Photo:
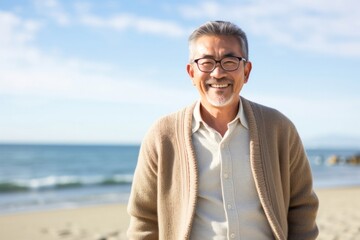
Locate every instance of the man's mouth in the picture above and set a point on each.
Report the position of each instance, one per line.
(219, 85)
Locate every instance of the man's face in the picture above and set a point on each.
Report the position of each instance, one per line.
(218, 88)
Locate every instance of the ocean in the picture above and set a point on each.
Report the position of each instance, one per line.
(42, 177)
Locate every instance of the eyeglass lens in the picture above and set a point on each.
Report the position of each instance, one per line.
(209, 64)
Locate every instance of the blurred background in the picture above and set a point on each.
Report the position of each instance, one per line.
(82, 81)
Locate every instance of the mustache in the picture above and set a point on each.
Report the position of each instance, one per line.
(218, 80)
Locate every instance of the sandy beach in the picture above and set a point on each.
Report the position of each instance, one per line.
(339, 214)
(338, 218)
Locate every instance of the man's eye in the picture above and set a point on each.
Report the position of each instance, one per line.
(206, 62)
(229, 63)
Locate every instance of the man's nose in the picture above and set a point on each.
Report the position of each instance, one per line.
(218, 71)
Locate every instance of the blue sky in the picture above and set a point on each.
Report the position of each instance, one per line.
(104, 71)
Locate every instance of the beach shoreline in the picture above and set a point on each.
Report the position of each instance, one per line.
(108, 221)
(338, 218)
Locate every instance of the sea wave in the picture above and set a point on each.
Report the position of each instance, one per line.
(62, 182)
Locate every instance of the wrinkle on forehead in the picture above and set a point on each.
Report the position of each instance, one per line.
(216, 47)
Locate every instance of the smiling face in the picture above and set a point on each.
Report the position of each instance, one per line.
(219, 88)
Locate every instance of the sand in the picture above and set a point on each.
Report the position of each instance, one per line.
(339, 214)
(108, 222)
(338, 218)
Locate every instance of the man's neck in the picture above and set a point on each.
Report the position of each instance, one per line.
(219, 117)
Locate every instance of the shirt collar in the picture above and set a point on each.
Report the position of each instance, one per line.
(197, 119)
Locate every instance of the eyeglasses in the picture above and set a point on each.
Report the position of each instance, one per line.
(227, 63)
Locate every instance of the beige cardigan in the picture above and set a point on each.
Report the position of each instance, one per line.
(164, 191)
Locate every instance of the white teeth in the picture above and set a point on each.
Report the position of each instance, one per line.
(219, 85)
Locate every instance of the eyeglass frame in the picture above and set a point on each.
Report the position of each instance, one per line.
(220, 62)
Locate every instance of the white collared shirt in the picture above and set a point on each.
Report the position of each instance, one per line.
(228, 206)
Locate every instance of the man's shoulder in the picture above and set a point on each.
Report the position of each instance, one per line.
(167, 124)
(260, 107)
(173, 117)
(266, 113)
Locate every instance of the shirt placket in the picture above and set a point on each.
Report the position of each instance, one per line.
(227, 184)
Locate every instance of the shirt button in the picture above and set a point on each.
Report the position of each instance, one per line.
(232, 235)
(229, 206)
(226, 175)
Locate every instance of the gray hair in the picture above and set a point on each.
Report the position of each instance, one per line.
(220, 28)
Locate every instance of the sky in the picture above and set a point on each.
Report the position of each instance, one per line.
(101, 72)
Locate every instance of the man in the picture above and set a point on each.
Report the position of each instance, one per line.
(224, 167)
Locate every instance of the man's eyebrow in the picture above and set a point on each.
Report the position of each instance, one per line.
(230, 55)
(212, 56)
(207, 56)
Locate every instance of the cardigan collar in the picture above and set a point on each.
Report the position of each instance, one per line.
(197, 119)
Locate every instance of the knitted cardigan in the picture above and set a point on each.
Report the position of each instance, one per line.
(164, 192)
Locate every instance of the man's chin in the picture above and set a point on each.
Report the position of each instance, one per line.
(219, 102)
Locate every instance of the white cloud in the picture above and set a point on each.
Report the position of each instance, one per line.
(122, 22)
(67, 83)
(26, 70)
(14, 30)
(54, 10)
(128, 21)
(324, 26)
(15, 42)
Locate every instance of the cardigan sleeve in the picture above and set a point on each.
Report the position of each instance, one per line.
(142, 206)
(304, 203)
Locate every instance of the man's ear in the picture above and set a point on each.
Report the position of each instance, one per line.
(190, 71)
(247, 70)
